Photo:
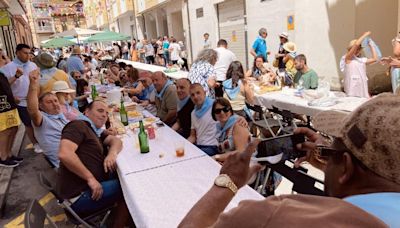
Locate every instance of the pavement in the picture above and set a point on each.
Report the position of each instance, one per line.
(24, 186)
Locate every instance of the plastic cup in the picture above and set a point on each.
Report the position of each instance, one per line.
(180, 148)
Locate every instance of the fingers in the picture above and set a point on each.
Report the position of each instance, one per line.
(254, 169)
(298, 161)
(306, 146)
(310, 134)
(251, 147)
(97, 193)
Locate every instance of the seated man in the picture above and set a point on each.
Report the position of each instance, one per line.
(47, 118)
(185, 107)
(166, 99)
(146, 93)
(362, 177)
(87, 172)
(305, 77)
(203, 128)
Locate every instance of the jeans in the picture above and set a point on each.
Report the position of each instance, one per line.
(112, 193)
(209, 150)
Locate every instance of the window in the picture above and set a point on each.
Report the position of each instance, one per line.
(199, 12)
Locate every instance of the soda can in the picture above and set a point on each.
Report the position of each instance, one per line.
(151, 133)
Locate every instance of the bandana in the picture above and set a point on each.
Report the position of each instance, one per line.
(161, 93)
(221, 131)
(182, 103)
(98, 131)
(207, 104)
(231, 91)
(59, 116)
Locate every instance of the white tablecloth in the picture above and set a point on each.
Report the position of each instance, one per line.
(286, 100)
(153, 68)
(159, 191)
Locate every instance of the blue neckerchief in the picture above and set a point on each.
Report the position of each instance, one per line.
(231, 91)
(59, 116)
(48, 71)
(20, 63)
(161, 93)
(144, 95)
(182, 103)
(207, 104)
(98, 131)
(221, 131)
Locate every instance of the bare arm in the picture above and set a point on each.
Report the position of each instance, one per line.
(115, 146)
(170, 116)
(176, 126)
(18, 74)
(374, 58)
(192, 137)
(249, 94)
(350, 54)
(252, 52)
(32, 99)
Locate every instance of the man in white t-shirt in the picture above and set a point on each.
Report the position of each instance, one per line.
(203, 130)
(174, 50)
(225, 58)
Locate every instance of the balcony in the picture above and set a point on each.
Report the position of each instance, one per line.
(45, 29)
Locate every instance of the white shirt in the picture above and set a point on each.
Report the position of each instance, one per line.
(225, 58)
(175, 49)
(206, 129)
(21, 85)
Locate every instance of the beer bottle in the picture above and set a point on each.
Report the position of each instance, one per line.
(94, 92)
(123, 114)
(143, 140)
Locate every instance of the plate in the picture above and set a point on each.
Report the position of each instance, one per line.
(146, 122)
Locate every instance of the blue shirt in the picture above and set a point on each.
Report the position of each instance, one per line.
(383, 205)
(74, 63)
(260, 47)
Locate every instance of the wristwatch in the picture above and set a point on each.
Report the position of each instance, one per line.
(223, 180)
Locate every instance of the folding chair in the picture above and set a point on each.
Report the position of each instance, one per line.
(36, 215)
(73, 217)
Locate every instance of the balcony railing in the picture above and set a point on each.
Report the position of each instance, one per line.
(45, 29)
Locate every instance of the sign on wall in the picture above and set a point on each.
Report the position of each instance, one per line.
(290, 22)
(4, 18)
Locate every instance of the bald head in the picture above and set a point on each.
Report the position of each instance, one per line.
(159, 80)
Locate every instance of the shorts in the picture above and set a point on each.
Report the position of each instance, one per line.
(24, 115)
(9, 119)
(85, 205)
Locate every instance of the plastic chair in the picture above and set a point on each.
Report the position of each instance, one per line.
(36, 215)
(73, 217)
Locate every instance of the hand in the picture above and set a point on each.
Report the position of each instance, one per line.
(242, 122)
(95, 186)
(236, 165)
(395, 63)
(313, 139)
(111, 131)
(19, 72)
(367, 34)
(110, 163)
(34, 76)
(386, 60)
(17, 100)
(135, 99)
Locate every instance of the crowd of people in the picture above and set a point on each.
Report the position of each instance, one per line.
(209, 109)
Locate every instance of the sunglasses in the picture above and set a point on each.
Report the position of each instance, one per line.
(224, 109)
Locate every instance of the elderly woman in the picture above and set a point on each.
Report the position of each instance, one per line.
(237, 89)
(261, 72)
(231, 135)
(354, 68)
(202, 71)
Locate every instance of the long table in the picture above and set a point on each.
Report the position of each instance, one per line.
(160, 188)
(153, 68)
(288, 101)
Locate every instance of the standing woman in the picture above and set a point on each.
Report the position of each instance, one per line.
(134, 52)
(236, 89)
(354, 68)
(283, 38)
(202, 71)
(9, 122)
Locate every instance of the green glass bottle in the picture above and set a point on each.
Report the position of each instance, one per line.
(94, 92)
(143, 140)
(123, 114)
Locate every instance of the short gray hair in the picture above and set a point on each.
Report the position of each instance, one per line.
(261, 31)
(207, 55)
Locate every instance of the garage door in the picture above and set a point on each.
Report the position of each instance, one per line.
(231, 27)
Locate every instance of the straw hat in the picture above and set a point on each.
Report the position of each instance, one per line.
(76, 51)
(61, 87)
(290, 47)
(284, 35)
(44, 61)
(351, 44)
(370, 133)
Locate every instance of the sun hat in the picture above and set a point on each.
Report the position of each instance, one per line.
(284, 35)
(76, 51)
(44, 61)
(61, 87)
(351, 44)
(290, 47)
(371, 133)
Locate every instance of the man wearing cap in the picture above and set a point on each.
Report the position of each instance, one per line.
(260, 45)
(49, 73)
(166, 99)
(283, 38)
(17, 73)
(362, 177)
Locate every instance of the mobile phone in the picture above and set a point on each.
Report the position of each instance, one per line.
(279, 149)
(160, 124)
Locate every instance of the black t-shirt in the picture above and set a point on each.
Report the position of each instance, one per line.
(7, 101)
(91, 153)
(184, 118)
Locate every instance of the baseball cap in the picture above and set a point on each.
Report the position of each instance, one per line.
(371, 133)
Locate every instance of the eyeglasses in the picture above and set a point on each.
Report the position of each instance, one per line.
(219, 110)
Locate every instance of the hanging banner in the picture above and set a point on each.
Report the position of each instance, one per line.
(4, 18)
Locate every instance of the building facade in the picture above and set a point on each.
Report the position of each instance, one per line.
(67, 15)
(40, 20)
